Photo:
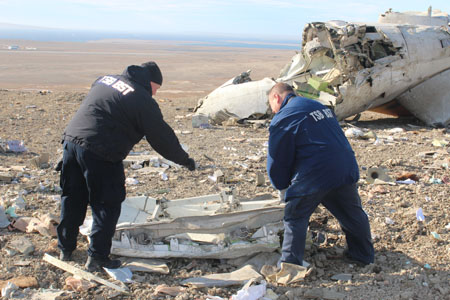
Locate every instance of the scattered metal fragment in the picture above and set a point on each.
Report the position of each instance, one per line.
(237, 277)
(213, 226)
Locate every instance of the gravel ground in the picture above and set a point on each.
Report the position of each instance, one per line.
(412, 256)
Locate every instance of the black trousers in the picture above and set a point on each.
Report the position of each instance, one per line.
(85, 180)
(344, 203)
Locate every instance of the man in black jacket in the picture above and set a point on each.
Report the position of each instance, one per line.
(116, 114)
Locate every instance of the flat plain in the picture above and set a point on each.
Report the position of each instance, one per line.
(43, 84)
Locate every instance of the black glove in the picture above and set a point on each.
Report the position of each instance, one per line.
(190, 165)
(58, 166)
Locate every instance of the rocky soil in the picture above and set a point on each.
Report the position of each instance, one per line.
(412, 256)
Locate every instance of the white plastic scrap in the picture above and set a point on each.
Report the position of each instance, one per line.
(154, 162)
(131, 181)
(229, 148)
(121, 274)
(85, 228)
(164, 176)
(389, 221)
(436, 235)
(19, 202)
(245, 166)
(9, 289)
(136, 166)
(42, 187)
(354, 133)
(253, 292)
(396, 130)
(212, 178)
(419, 215)
(255, 158)
(407, 181)
(16, 146)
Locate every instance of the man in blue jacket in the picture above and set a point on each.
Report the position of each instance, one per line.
(310, 157)
(116, 114)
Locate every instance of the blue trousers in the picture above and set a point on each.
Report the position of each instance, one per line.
(85, 180)
(344, 203)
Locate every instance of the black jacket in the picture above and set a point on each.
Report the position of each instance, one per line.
(117, 113)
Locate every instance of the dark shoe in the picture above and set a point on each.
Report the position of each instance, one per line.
(65, 255)
(97, 263)
(349, 259)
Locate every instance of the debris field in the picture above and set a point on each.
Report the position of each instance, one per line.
(404, 187)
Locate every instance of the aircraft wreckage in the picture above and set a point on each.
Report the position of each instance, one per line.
(217, 226)
(399, 65)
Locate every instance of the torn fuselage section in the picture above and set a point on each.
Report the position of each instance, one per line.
(214, 226)
(353, 67)
(238, 98)
(337, 56)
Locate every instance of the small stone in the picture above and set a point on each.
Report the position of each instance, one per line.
(290, 295)
(406, 295)
(435, 280)
(321, 257)
(259, 179)
(22, 245)
(322, 293)
(379, 277)
(183, 296)
(320, 272)
(333, 295)
(381, 258)
(200, 121)
(376, 269)
(443, 291)
(339, 251)
(298, 292)
(342, 277)
(10, 252)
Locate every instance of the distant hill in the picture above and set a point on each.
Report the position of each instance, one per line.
(20, 27)
(35, 33)
(26, 32)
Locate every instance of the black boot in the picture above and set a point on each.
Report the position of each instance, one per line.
(97, 263)
(65, 255)
(349, 259)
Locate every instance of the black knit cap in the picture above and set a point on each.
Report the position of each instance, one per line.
(155, 72)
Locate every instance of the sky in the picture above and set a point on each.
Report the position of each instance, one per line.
(239, 18)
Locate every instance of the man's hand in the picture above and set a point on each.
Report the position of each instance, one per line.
(190, 165)
(58, 166)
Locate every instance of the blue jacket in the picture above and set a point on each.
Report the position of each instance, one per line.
(308, 151)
